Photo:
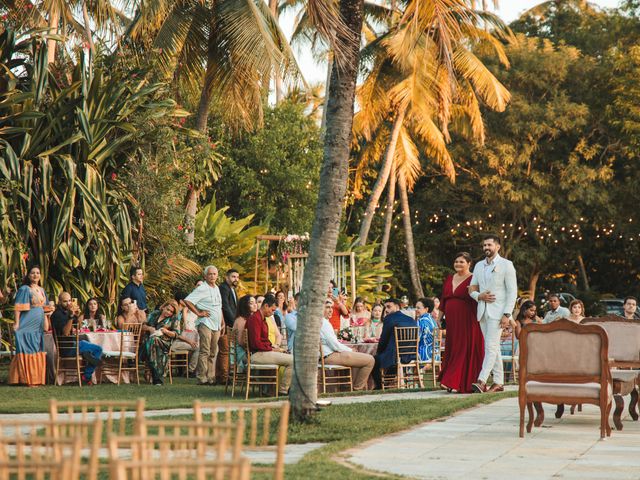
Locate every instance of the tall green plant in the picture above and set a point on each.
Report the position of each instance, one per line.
(62, 203)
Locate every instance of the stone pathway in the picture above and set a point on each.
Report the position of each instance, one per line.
(483, 443)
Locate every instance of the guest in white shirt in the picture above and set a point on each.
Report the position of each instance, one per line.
(205, 301)
(291, 321)
(335, 353)
(555, 310)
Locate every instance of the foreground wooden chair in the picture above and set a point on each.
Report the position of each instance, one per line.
(194, 429)
(624, 361)
(12, 432)
(178, 359)
(408, 373)
(563, 362)
(237, 365)
(40, 458)
(126, 359)
(113, 414)
(266, 426)
(336, 378)
(200, 469)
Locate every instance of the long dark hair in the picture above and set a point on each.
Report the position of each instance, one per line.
(526, 305)
(25, 279)
(87, 313)
(244, 310)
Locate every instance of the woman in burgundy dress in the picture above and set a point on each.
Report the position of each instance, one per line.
(464, 345)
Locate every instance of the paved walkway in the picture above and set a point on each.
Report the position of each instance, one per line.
(483, 443)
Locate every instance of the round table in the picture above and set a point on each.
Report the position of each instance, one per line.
(365, 347)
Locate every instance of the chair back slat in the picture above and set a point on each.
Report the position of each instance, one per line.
(407, 341)
(40, 457)
(265, 424)
(113, 414)
(194, 469)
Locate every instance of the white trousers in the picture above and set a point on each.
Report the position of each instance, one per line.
(492, 362)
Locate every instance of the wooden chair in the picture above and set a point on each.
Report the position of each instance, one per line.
(71, 362)
(40, 457)
(624, 361)
(237, 371)
(200, 469)
(512, 359)
(89, 432)
(336, 378)
(266, 374)
(407, 374)
(266, 426)
(113, 414)
(563, 362)
(435, 365)
(126, 359)
(178, 359)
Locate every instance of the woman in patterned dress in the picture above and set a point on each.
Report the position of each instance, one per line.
(29, 365)
(164, 327)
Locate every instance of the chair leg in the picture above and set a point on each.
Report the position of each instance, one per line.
(522, 405)
(539, 414)
(559, 410)
(632, 404)
(530, 413)
(616, 413)
(246, 397)
(606, 419)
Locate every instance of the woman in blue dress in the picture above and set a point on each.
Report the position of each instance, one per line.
(427, 325)
(29, 365)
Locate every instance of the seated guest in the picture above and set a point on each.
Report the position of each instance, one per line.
(630, 305)
(128, 312)
(163, 327)
(360, 316)
(376, 320)
(282, 308)
(275, 337)
(335, 353)
(556, 311)
(247, 306)
(576, 309)
(291, 321)
(187, 320)
(262, 351)
(526, 315)
(427, 325)
(62, 322)
(92, 318)
(386, 356)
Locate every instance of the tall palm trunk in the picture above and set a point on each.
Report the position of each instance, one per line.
(388, 216)
(533, 282)
(383, 177)
(191, 207)
(54, 20)
(408, 237)
(583, 272)
(388, 220)
(273, 6)
(329, 207)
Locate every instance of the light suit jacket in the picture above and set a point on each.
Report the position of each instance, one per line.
(501, 281)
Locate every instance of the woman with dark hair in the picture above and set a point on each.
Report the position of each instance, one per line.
(29, 365)
(526, 315)
(464, 354)
(92, 318)
(281, 311)
(247, 306)
(128, 312)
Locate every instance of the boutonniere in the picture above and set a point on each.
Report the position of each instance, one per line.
(495, 269)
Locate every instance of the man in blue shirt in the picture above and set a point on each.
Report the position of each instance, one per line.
(135, 290)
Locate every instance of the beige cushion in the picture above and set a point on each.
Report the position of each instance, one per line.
(625, 375)
(584, 390)
(624, 340)
(563, 353)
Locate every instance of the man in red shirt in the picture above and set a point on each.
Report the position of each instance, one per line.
(262, 352)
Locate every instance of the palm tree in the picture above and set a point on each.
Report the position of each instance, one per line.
(223, 52)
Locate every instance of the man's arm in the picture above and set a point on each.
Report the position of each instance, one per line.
(511, 286)
(227, 312)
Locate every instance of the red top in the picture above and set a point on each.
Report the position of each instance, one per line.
(336, 315)
(258, 333)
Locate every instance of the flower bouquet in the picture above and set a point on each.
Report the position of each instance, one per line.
(346, 335)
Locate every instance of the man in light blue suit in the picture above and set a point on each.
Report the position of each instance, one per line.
(495, 288)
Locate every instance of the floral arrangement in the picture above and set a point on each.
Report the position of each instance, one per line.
(293, 244)
(346, 335)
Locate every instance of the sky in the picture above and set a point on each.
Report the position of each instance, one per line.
(509, 10)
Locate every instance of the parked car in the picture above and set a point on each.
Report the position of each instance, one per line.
(613, 306)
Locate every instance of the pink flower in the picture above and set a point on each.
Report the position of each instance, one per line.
(134, 75)
(160, 51)
(25, 256)
(180, 227)
(141, 213)
(4, 17)
(114, 176)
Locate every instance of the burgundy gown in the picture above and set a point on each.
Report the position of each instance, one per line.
(464, 344)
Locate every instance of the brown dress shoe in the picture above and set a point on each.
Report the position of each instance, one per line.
(479, 387)
(496, 388)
